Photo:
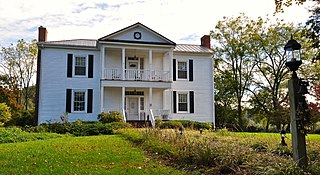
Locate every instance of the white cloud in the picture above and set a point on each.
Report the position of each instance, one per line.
(183, 21)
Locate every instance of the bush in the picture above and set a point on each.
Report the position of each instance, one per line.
(316, 128)
(203, 125)
(172, 124)
(195, 125)
(112, 116)
(119, 125)
(79, 128)
(5, 114)
(22, 118)
(187, 123)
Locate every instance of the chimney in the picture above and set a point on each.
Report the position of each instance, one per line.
(42, 34)
(205, 41)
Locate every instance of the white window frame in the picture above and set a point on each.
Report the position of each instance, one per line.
(85, 100)
(74, 65)
(177, 69)
(188, 102)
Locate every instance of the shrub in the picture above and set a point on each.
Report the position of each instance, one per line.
(119, 125)
(79, 128)
(22, 118)
(5, 114)
(317, 128)
(112, 116)
(187, 123)
(195, 125)
(172, 124)
(203, 125)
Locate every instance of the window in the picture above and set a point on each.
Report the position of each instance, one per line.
(80, 66)
(79, 100)
(182, 70)
(141, 103)
(182, 102)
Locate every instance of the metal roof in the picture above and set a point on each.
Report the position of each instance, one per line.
(192, 48)
(74, 42)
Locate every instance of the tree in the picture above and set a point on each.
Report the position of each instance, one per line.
(314, 105)
(224, 97)
(18, 63)
(271, 73)
(280, 3)
(232, 36)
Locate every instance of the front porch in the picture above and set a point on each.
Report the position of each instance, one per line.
(137, 104)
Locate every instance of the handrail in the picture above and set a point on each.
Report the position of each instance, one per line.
(152, 120)
(136, 74)
(124, 115)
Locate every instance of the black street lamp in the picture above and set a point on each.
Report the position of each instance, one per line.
(293, 54)
(293, 62)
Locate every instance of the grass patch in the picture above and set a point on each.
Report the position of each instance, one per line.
(225, 152)
(78, 155)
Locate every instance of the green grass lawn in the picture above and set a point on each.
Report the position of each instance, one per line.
(78, 155)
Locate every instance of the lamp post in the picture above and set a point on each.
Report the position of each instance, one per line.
(293, 62)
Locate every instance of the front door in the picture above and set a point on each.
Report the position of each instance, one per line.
(133, 108)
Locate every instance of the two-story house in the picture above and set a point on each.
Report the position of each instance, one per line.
(135, 71)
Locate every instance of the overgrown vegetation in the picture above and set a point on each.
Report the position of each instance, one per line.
(224, 152)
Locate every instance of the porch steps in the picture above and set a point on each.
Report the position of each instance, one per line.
(139, 123)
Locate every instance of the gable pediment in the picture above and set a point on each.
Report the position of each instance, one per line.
(137, 33)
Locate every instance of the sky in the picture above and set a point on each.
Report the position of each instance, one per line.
(182, 21)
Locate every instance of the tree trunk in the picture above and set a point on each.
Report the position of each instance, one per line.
(240, 116)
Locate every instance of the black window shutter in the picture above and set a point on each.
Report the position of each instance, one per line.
(68, 100)
(174, 69)
(90, 98)
(190, 70)
(90, 69)
(69, 66)
(174, 96)
(191, 102)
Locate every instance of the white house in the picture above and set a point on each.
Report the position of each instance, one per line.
(135, 71)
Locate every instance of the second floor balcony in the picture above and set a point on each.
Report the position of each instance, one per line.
(136, 74)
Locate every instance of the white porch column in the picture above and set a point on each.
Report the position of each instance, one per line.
(123, 62)
(170, 64)
(102, 52)
(150, 97)
(102, 99)
(123, 96)
(150, 63)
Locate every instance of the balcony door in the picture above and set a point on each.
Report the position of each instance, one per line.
(134, 66)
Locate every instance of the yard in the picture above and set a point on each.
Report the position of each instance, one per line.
(78, 155)
(153, 151)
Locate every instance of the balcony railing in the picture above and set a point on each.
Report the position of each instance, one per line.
(136, 74)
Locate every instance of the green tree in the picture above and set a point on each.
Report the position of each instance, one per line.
(271, 74)
(5, 114)
(280, 3)
(232, 37)
(225, 99)
(18, 63)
